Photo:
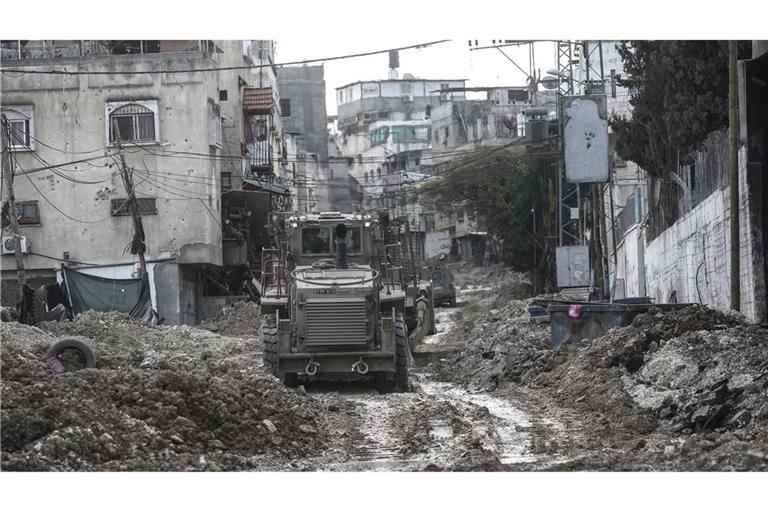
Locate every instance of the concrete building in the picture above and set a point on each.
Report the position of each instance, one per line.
(384, 129)
(202, 174)
(302, 107)
(406, 99)
(463, 126)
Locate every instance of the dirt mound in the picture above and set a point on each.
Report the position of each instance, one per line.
(160, 398)
(501, 343)
(694, 369)
(242, 319)
(506, 282)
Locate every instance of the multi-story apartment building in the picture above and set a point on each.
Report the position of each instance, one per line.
(459, 127)
(203, 145)
(385, 131)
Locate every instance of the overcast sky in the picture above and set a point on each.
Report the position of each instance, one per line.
(447, 60)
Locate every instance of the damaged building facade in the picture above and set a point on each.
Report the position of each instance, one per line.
(204, 148)
(304, 118)
(385, 134)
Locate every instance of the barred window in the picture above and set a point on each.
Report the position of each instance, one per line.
(136, 121)
(27, 213)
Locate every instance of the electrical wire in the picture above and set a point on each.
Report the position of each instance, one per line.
(61, 259)
(64, 150)
(188, 198)
(223, 68)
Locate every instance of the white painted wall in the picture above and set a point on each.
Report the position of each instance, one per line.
(692, 257)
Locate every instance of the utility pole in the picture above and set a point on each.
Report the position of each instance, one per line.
(733, 127)
(137, 244)
(8, 172)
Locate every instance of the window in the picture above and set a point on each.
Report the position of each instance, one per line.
(145, 205)
(21, 120)
(379, 136)
(226, 180)
(28, 213)
(214, 124)
(285, 107)
(315, 241)
(410, 134)
(136, 120)
(353, 240)
(405, 87)
(223, 95)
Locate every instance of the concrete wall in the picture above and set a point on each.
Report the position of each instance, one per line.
(690, 260)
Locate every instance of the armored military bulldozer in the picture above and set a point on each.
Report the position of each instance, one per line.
(340, 304)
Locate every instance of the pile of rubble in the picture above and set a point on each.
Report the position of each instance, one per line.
(497, 277)
(159, 398)
(241, 319)
(500, 341)
(695, 380)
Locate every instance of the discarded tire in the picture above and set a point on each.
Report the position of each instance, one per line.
(73, 353)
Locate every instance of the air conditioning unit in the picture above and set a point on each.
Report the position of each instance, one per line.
(407, 98)
(9, 245)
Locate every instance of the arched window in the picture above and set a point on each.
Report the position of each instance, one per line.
(378, 172)
(136, 123)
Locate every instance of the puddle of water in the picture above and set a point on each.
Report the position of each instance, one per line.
(476, 289)
(440, 429)
(446, 322)
(514, 446)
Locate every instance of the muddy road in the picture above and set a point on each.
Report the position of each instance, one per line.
(440, 425)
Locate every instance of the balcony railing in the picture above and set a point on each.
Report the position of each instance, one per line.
(55, 49)
(259, 157)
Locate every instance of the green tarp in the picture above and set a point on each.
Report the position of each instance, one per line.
(100, 293)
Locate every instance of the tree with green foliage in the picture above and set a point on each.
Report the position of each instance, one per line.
(681, 95)
(501, 186)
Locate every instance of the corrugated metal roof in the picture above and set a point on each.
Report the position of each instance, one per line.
(257, 99)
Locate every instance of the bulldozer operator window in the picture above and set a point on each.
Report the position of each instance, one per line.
(316, 241)
(353, 240)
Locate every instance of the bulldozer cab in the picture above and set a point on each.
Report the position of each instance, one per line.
(314, 238)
